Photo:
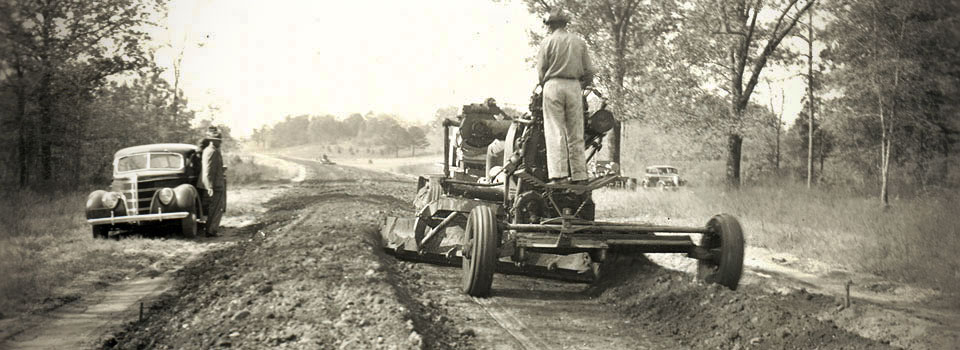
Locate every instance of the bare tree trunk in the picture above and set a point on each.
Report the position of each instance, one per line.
(734, 145)
(23, 128)
(810, 97)
(620, 22)
(45, 98)
(615, 137)
(779, 128)
(884, 156)
(45, 101)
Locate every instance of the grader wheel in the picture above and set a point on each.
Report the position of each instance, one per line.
(725, 242)
(479, 252)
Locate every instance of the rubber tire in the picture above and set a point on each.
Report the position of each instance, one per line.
(101, 231)
(188, 226)
(727, 236)
(478, 269)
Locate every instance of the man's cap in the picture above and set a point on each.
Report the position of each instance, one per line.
(491, 101)
(557, 16)
(213, 133)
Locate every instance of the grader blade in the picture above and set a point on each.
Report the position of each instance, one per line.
(398, 237)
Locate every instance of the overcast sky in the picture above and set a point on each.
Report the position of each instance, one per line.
(259, 61)
(262, 60)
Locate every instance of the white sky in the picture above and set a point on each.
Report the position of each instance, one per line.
(263, 60)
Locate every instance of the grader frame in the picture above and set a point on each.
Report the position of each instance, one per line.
(516, 222)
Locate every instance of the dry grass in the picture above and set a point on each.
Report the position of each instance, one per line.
(912, 241)
(249, 170)
(47, 252)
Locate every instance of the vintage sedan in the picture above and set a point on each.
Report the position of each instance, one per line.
(663, 177)
(152, 185)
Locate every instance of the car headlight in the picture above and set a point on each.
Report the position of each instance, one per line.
(165, 196)
(110, 199)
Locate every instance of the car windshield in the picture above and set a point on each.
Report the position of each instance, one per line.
(661, 171)
(164, 161)
(149, 161)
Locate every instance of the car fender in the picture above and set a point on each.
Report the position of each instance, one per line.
(95, 199)
(186, 197)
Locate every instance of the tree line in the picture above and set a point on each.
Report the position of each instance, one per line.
(78, 81)
(879, 79)
(382, 131)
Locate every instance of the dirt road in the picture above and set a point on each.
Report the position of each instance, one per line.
(314, 276)
(309, 273)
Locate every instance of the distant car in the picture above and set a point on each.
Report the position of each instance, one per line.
(605, 167)
(663, 177)
(152, 185)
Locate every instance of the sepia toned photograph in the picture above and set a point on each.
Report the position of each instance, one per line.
(480, 174)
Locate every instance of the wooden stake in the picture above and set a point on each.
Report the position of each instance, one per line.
(846, 301)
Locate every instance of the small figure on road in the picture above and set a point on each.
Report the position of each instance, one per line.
(213, 184)
(564, 68)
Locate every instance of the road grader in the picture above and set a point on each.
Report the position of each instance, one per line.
(510, 219)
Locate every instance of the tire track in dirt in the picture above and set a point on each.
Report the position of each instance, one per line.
(312, 277)
(324, 282)
(511, 324)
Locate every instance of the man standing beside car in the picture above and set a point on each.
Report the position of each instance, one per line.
(564, 67)
(213, 184)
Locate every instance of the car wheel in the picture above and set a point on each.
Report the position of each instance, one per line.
(725, 245)
(188, 226)
(479, 252)
(101, 231)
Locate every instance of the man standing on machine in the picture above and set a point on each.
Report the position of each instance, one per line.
(564, 68)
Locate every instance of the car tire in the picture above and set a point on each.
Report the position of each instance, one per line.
(480, 251)
(725, 243)
(188, 226)
(101, 231)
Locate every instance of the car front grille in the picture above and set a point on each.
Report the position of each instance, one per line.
(139, 190)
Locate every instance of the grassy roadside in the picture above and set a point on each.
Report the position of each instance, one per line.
(913, 241)
(48, 256)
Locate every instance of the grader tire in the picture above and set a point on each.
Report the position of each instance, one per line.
(480, 252)
(726, 244)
